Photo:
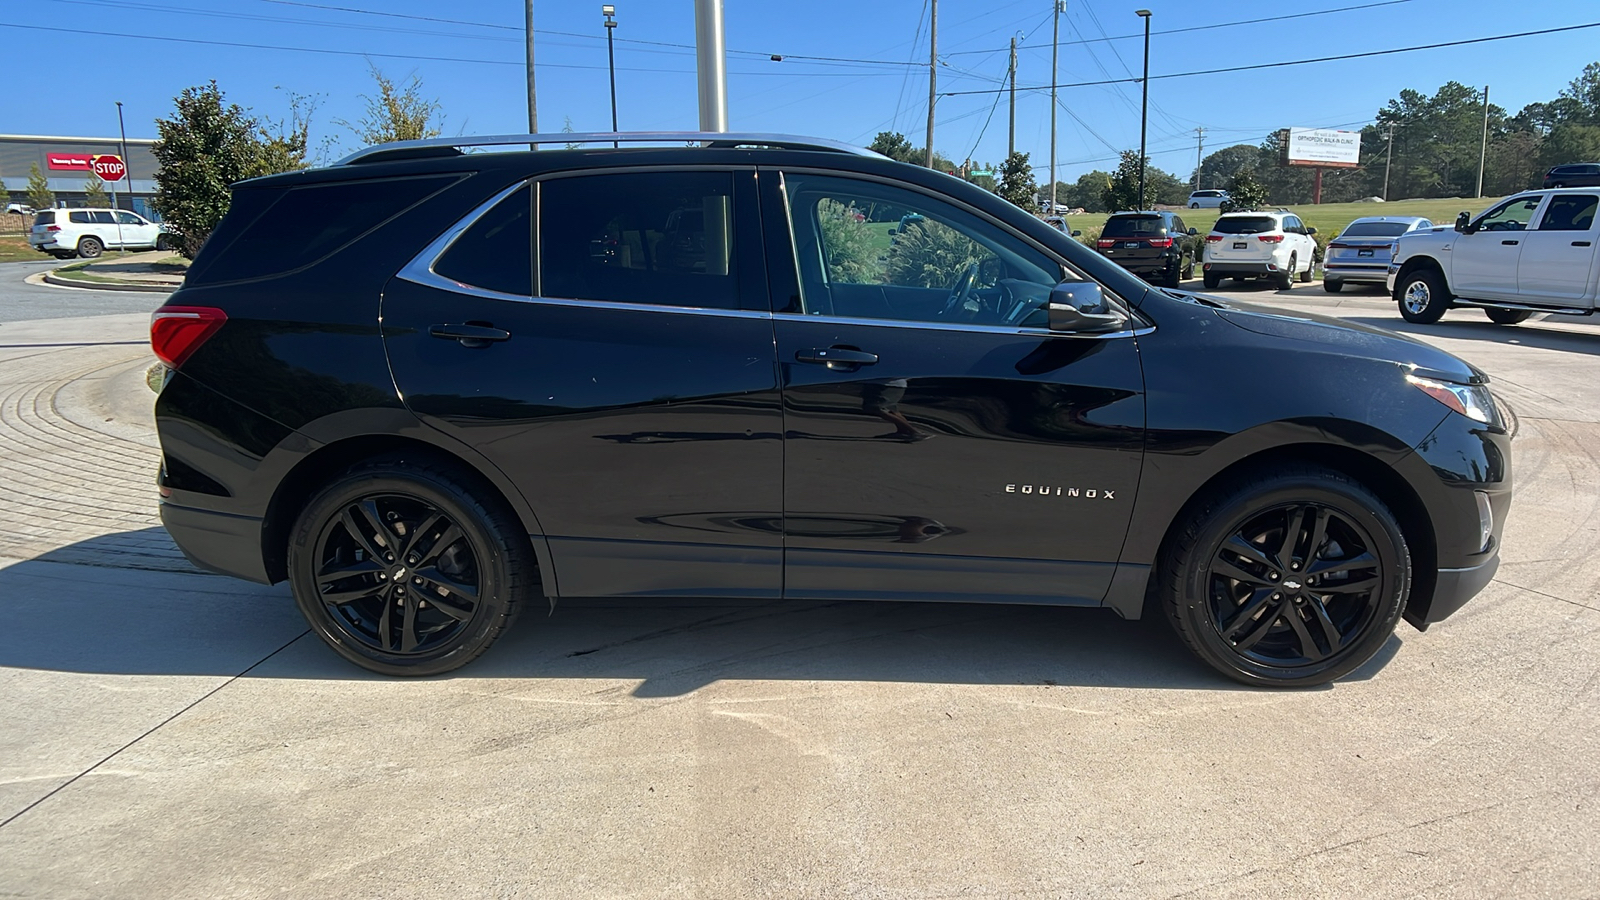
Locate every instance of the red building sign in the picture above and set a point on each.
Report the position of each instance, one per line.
(70, 162)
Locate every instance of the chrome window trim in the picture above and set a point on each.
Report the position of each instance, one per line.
(1142, 328)
(420, 269)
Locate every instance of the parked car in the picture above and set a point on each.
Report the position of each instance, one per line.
(1207, 199)
(1266, 244)
(1532, 252)
(65, 233)
(1060, 224)
(1573, 175)
(1154, 244)
(424, 431)
(19, 208)
(1362, 251)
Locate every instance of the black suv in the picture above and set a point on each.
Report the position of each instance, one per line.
(1153, 244)
(1573, 175)
(768, 368)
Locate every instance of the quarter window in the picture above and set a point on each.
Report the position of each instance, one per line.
(77, 217)
(1569, 212)
(662, 238)
(496, 251)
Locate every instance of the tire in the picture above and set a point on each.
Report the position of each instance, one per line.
(1423, 297)
(1285, 279)
(1228, 557)
(1194, 206)
(90, 247)
(1171, 276)
(1310, 272)
(484, 574)
(1331, 285)
(1211, 281)
(1507, 316)
(64, 256)
(1188, 269)
(162, 244)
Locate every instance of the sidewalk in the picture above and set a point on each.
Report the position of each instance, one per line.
(157, 271)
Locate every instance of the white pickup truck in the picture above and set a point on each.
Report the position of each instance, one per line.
(1533, 252)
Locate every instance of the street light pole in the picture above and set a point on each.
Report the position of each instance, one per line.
(533, 105)
(127, 164)
(610, 13)
(933, 71)
(1055, 56)
(1144, 103)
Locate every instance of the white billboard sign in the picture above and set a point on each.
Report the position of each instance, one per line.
(1321, 147)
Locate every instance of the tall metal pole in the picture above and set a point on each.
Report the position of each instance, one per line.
(533, 106)
(933, 71)
(609, 11)
(1011, 138)
(127, 164)
(1055, 55)
(1483, 148)
(1199, 154)
(1388, 157)
(711, 61)
(1144, 103)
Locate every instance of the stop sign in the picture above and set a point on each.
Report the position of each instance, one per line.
(109, 167)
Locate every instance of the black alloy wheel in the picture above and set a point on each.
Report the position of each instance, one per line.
(409, 569)
(89, 248)
(1507, 316)
(1423, 297)
(1172, 275)
(1293, 578)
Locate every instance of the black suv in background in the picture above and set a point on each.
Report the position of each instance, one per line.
(1573, 175)
(777, 368)
(1156, 245)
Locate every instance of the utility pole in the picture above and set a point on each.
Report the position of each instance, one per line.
(1199, 154)
(1144, 103)
(712, 64)
(533, 105)
(1483, 148)
(1011, 140)
(610, 12)
(1055, 56)
(1388, 157)
(933, 70)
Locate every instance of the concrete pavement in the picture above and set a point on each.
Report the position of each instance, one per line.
(174, 735)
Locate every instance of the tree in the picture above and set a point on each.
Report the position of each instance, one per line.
(1220, 166)
(203, 149)
(1122, 191)
(1569, 143)
(894, 145)
(1245, 193)
(397, 113)
(285, 143)
(926, 253)
(1579, 102)
(39, 194)
(5, 192)
(852, 254)
(1016, 181)
(95, 196)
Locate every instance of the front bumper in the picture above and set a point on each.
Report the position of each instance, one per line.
(1452, 590)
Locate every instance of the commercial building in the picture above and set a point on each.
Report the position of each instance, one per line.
(65, 163)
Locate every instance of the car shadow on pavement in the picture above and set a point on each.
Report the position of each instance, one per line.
(1546, 334)
(89, 619)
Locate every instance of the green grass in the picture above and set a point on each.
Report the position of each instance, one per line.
(14, 248)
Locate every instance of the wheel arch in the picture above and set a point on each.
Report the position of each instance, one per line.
(1412, 265)
(1373, 473)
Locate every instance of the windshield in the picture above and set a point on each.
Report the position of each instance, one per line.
(1245, 225)
(1133, 226)
(1376, 229)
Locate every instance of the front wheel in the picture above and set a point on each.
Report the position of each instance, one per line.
(1290, 578)
(1507, 316)
(162, 243)
(1423, 297)
(1310, 272)
(405, 567)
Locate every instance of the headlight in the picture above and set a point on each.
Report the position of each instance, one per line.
(1471, 400)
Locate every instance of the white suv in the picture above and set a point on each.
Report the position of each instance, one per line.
(65, 233)
(1207, 199)
(1274, 245)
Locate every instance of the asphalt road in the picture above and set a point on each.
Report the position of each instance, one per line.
(166, 734)
(21, 302)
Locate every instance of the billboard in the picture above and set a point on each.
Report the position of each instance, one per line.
(1321, 147)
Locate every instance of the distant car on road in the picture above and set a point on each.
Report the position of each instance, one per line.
(1361, 253)
(65, 233)
(19, 208)
(1573, 175)
(1207, 199)
(1060, 224)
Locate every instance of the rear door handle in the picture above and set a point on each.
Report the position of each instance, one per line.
(1509, 243)
(836, 357)
(470, 335)
(1580, 243)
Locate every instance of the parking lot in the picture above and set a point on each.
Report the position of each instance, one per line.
(173, 734)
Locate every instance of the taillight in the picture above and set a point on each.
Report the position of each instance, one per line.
(1105, 243)
(1213, 238)
(52, 228)
(1270, 238)
(1160, 242)
(176, 332)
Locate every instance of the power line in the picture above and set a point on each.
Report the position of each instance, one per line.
(1300, 62)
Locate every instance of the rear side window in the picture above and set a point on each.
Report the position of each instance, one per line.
(48, 217)
(103, 217)
(495, 252)
(1134, 226)
(1569, 212)
(309, 223)
(662, 238)
(78, 217)
(1245, 225)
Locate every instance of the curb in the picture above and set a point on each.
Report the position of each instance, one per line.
(58, 281)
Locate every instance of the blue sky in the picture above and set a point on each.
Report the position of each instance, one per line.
(101, 59)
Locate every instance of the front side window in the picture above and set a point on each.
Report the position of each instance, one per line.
(664, 238)
(1569, 212)
(873, 251)
(128, 218)
(495, 252)
(1512, 215)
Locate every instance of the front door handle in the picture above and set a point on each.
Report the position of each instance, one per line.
(470, 334)
(843, 358)
(1509, 243)
(1580, 243)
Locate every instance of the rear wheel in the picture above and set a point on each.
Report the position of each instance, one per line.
(1423, 297)
(1507, 316)
(1291, 578)
(1211, 281)
(1285, 279)
(405, 567)
(1172, 275)
(89, 248)
(1331, 285)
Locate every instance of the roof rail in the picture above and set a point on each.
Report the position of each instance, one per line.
(408, 149)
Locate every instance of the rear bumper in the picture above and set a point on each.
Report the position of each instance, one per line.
(1374, 274)
(217, 542)
(1241, 268)
(1147, 266)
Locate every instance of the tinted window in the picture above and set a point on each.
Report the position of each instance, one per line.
(48, 217)
(103, 217)
(306, 224)
(77, 217)
(663, 238)
(1134, 226)
(1292, 223)
(495, 252)
(1178, 226)
(1375, 229)
(1245, 225)
(1569, 212)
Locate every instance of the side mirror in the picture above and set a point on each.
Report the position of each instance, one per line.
(1080, 306)
(1193, 232)
(1077, 234)
(1464, 223)
(1310, 230)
